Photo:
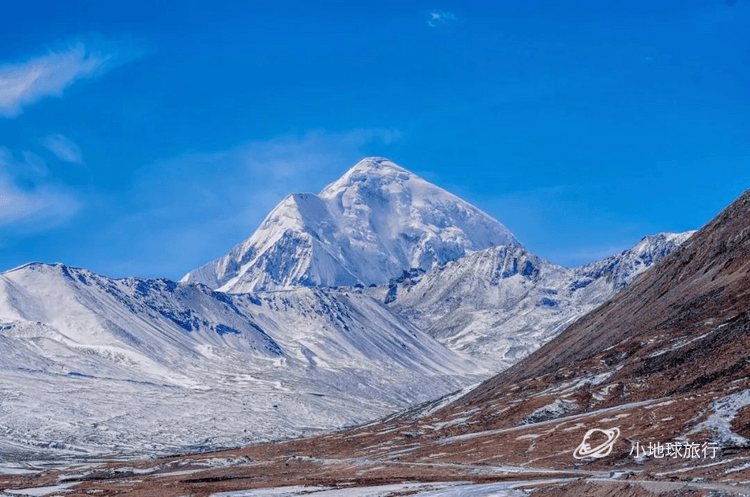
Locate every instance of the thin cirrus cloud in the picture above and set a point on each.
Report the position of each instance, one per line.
(439, 18)
(23, 84)
(63, 147)
(36, 204)
(44, 206)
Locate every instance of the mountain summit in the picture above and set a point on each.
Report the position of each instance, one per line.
(367, 227)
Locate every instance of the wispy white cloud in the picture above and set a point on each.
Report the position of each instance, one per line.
(23, 84)
(439, 18)
(63, 147)
(42, 205)
(31, 167)
(35, 203)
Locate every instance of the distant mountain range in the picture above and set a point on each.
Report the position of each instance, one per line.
(381, 292)
(648, 394)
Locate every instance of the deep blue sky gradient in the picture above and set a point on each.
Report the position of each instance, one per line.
(582, 126)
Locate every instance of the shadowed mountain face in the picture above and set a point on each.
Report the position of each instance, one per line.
(666, 362)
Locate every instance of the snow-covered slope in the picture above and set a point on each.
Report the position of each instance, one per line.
(92, 365)
(500, 304)
(365, 228)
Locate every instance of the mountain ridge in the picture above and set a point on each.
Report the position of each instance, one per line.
(109, 359)
(497, 305)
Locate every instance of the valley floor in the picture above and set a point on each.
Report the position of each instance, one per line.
(425, 456)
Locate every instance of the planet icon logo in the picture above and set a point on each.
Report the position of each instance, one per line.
(604, 440)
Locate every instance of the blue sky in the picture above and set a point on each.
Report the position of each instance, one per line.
(146, 138)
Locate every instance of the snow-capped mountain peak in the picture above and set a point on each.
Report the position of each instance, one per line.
(367, 227)
(377, 169)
